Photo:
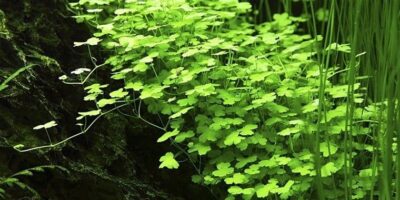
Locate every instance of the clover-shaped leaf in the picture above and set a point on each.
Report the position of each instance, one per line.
(328, 148)
(328, 169)
(168, 161)
(45, 126)
(88, 113)
(345, 48)
(244, 161)
(248, 129)
(168, 135)
(120, 93)
(181, 112)
(103, 102)
(237, 178)
(233, 138)
(223, 169)
(263, 191)
(183, 136)
(136, 86)
(202, 149)
(79, 71)
(91, 41)
(152, 91)
(235, 190)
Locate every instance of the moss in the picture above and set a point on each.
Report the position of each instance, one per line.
(106, 163)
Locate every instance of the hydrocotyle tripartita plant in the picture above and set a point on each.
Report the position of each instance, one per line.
(242, 102)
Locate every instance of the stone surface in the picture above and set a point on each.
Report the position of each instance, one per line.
(117, 159)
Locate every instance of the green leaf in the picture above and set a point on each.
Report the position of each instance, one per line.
(263, 191)
(95, 88)
(152, 91)
(243, 6)
(237, 178)
(328, 148)
(273, 120)
(233, 138)
(235, 190)
(247, 193)
(197, 179)
(220, 123)
(248, 129)
(244, 161)
(339, 47)
(253, 169)
(322, 14)
(288, 131)
(91, 97)
(190, 100)
(46, 125)
(80, 71)
(168, 135)
(328, 169)
(259, 76)
(122, 11)
(200, 148)
(209, 135)
(140, 67)
(203, 90)
(136, 86)
(227, 97)
(103, 102)
(340, 91)
(220, 53)
(88, 113)
(282, 160)
(269, 38)
(183, 136)
(168, 161)
(276, 108)
(285, 190)
(366, 172)
(311, 106)
(223, 169)
(304, 56)
(190, 52)
(304, 169)
(91, 41)
(181, 112)
(338, 112)
(282, 20)
(268, 163)
(120, 93)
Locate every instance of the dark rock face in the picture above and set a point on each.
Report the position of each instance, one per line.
(117, 159)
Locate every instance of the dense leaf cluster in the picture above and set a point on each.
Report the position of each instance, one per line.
(240, 101)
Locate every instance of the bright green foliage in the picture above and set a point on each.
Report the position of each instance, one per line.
(242, 96)
(88, 113)
(90, 41)
(169, 161)
(168, 135)
(46, 125)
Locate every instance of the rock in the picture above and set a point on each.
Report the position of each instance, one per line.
(114, 160)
